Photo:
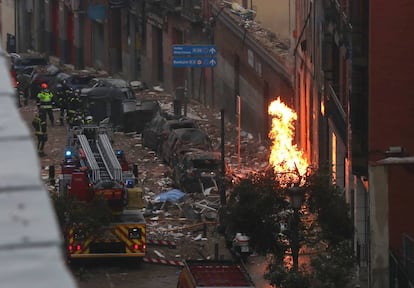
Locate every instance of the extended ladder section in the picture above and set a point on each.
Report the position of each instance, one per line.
(101, 159)
(109, 157)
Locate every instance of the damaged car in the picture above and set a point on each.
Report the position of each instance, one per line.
(183, 139)
(198, 170)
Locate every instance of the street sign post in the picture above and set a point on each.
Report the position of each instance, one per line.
(194, 55)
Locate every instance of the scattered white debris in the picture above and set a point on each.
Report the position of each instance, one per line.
(159, 254)
(158, 88)
(198, 237)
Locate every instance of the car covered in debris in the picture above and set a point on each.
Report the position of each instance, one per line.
(19, 62)
(67, 84)
(42, 74)
(157, 130)
(197, 170)
(105, 86)
(137, 113)
(170, 125)
(76, 81)
(183, 139)
(151, 132)
(23, 82)
(108, 98)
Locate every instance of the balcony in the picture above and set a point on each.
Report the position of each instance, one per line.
(192, 10)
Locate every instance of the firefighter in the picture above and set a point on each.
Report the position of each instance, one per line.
(89, 120)
(122, 160)
(76, 120)
(45, 102)
(62, 102)
(74, 107)
(40, 126)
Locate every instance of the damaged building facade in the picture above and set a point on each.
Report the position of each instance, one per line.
(312, 54)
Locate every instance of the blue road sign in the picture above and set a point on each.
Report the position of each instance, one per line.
(194, 50)
(194, 62)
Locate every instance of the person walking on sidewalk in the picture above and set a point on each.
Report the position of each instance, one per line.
(45, 102)
(40, 126)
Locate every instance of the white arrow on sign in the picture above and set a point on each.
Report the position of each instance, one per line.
(212, 50)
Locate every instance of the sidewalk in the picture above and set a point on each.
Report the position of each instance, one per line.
(255, 265)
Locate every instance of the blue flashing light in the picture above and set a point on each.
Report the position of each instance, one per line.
(68, 154)
(119, 152)
(129, 183)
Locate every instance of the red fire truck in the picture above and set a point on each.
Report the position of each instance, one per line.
(91, 169)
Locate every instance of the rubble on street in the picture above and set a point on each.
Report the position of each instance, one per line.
(178, 228)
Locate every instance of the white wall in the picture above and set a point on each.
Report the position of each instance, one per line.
(30, 239)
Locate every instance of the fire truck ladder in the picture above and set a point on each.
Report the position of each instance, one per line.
(101, 158)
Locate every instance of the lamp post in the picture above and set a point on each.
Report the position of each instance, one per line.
(295, 194)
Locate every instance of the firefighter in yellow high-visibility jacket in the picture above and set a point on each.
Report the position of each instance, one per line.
(45, 102)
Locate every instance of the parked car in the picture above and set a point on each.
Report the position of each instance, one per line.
(76, 81)
(23, 82)
(19, 62)
(170, 125)
(55, 84)
(183, 139)
(197, 170)
(151, 132)
(143, 112)
(109, 98)
(66, 84)
(104, 86)
(42, 74)
(157, 130)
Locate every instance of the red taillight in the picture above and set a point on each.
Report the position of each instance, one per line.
(70, 248)
(78, 247)
(136, 247)
(144, 247)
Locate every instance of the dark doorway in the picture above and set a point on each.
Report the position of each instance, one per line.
(157, 46)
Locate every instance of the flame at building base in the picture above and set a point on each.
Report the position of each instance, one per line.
(287, 160)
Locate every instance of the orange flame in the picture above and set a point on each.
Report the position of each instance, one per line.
(287, 161)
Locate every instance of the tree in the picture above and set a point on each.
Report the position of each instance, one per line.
(90, 215)
(328, 203)
(255, 206)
